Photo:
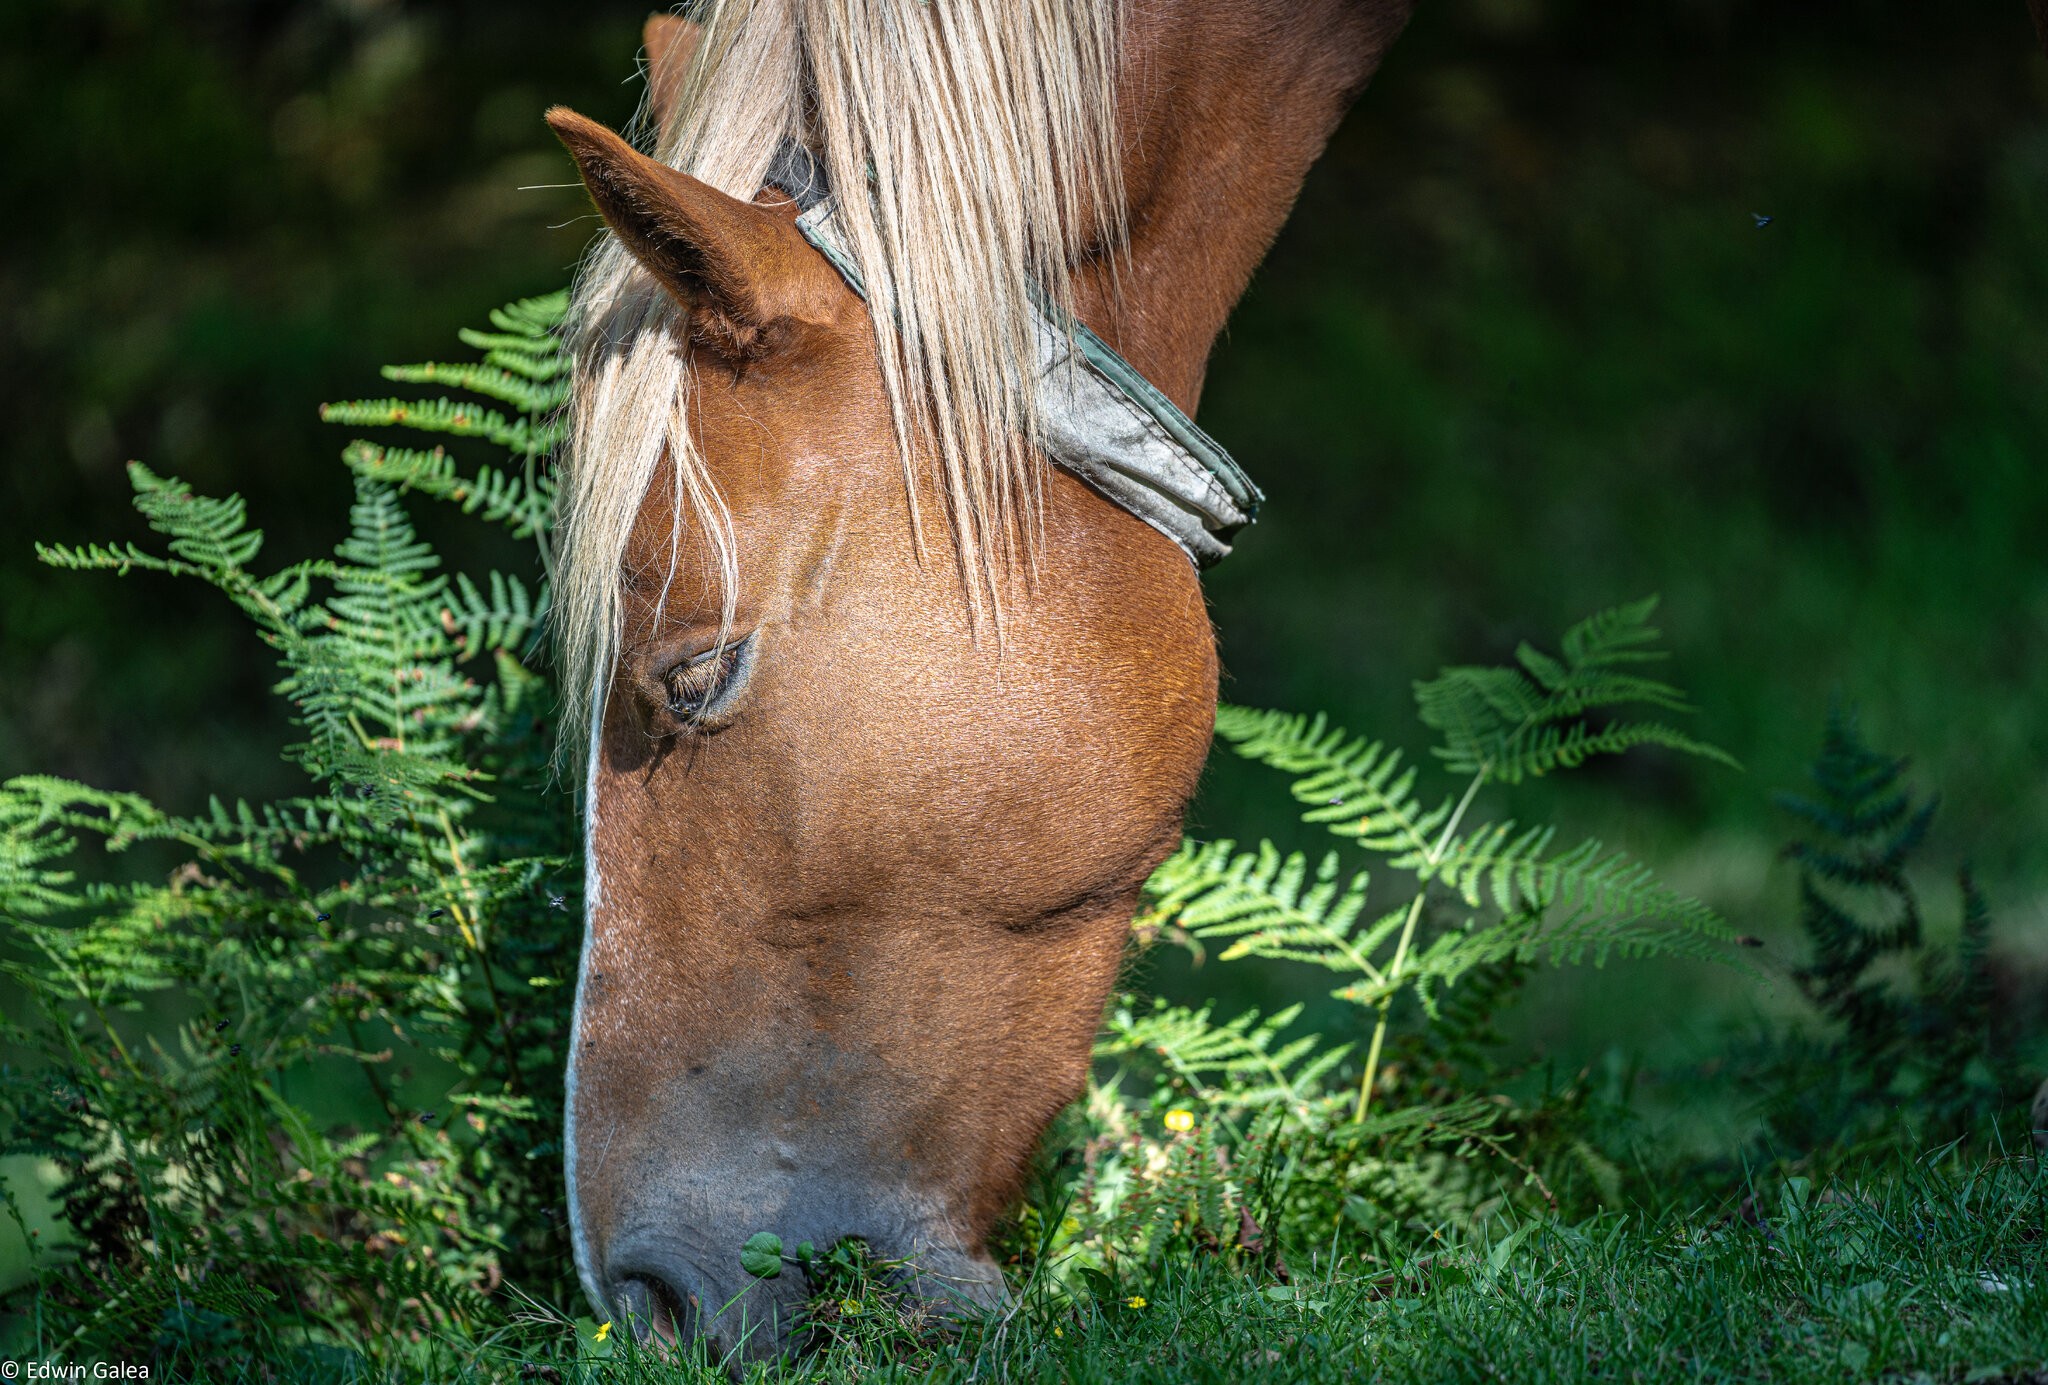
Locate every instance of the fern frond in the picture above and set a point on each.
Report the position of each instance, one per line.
(525, 366)
(206, 532)
(1509, 724)
(1239, 1064)
(521, 503)
(1357, 788)
(1268, 905)
(534, 319)
(1574, 939)
(504, 620)
(459, 419)
(1866, 820)
(531, 359)
(117, 558)
(516, 388)
(1510, 869)
(209, 536)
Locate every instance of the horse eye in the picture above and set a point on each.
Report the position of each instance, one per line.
(696, 684)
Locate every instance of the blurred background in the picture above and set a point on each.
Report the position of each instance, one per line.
(1741, 303)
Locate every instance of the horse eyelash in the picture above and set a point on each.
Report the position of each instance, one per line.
(695, 682)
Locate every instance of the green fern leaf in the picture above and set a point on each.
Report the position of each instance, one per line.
(1508, 724)
(454, 417)
(1357, 788)
(1267, 905)
(1238, 1064)
(519, 502)
(516, 388)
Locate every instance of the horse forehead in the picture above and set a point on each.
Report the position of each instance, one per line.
(797, 536)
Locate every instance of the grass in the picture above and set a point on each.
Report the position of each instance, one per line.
(1897, 1269)
(1915, 1271)
(1934, 1268)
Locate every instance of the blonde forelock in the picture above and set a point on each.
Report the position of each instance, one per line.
(984, 133)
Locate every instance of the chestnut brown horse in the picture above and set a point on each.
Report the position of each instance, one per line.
(880, 759)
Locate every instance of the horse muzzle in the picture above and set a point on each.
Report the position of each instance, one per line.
(668, 1189)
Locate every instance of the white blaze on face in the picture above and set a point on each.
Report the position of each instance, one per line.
(593, 898)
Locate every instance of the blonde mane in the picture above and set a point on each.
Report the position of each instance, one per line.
(984, 132)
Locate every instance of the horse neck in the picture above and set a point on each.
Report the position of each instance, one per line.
(1222, 108)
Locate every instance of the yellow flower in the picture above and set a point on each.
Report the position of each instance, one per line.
(1180, 1120)
(1059, 1332)
(850, 1307)
(604, 1330)
(1135, 1301)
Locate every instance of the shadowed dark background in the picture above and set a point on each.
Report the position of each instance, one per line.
(1527, 349)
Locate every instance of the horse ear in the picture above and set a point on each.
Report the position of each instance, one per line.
(669, 40)
(738, 268)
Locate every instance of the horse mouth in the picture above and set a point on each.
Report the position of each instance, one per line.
(932, 1296)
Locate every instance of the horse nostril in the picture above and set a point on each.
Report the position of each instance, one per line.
(633, 1300)
(654, 1309)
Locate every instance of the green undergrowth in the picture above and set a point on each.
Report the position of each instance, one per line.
(1906, 1271)
(1932, 1270)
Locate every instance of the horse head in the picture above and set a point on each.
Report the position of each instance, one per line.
(866, 823)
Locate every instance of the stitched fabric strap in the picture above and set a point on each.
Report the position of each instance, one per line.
(1103, 421)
